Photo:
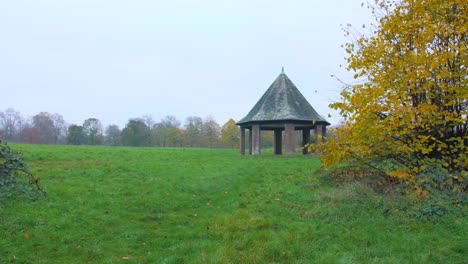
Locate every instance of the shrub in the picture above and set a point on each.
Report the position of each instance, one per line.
(407, 110)
(16, 180)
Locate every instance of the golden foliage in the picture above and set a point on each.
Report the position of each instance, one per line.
(230, 134)
(410, 106)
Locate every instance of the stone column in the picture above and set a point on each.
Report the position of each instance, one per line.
(250, 141)
(242, 141)
(321, 132)
(305, 140)
(255, 140)
(324, 132)
(289, 138)
(278, 142)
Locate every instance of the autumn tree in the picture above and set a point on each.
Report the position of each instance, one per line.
(408, 110)
(167, 133)
(267, 140)
(172, 131)
(44, 128)
(230, 134)
(211, 134)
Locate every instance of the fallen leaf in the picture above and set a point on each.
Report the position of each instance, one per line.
(26, 235)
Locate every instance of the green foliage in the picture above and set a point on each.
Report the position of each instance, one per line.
(76, 135)
(136, 133)
(92, 130)
(112, 135)
(442, 201)
(16, 180)
(440, 179)
(372, 178)
(167, 205)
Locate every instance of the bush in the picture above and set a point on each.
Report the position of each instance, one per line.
(427, 196)
(408, 109)
(373, 178)
(16, 180)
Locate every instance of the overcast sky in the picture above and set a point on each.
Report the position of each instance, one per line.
(115, 59)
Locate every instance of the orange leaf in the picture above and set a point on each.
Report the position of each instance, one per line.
(26, 235)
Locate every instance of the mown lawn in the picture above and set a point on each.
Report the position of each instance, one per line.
(153, 205)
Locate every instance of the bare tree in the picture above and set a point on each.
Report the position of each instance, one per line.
(11, 123)
(60, 129)
(43, 127)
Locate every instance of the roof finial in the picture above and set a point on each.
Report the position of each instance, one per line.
(282, 70)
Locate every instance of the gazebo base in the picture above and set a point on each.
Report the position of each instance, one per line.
(289, 138)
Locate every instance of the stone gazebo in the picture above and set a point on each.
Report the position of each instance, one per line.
(281, 108)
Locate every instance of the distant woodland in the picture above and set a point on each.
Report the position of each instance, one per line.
(47, 128)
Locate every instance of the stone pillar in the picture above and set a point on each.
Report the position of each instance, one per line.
(250, 141)
(242, 141)
(321, 132)
(278, 142)
(255, 140)
(305, 140)
(289, 139)
(324, 132)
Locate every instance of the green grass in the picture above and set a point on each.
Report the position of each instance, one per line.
(153, 205)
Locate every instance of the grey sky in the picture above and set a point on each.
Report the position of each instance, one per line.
(115, 59)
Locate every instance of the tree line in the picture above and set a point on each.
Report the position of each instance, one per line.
(47, 128)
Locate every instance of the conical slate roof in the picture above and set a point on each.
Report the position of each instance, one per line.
(282, 102)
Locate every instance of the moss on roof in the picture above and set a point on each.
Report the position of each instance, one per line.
(281, 102)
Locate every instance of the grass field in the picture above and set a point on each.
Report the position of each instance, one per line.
(152, 205)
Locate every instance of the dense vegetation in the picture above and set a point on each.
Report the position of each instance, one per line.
(164, 205)
(407, 115)
(16, 180)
